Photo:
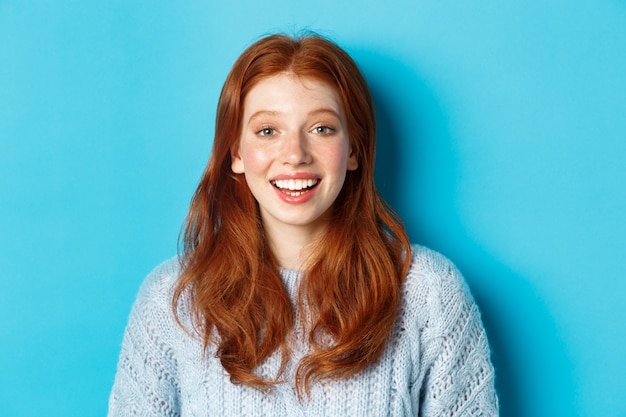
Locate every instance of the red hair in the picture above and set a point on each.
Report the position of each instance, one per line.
(353, 279)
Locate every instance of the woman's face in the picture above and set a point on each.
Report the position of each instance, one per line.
(293, 150)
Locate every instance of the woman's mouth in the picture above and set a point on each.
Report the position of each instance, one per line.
(295, 187)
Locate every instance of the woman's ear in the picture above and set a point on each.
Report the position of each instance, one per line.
(236, 163)
(353, 162)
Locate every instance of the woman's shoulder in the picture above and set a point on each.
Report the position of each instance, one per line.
(161, 280)
(433, 283)
(431, 267)
(442, 322)
(157, 289)
(153, 309)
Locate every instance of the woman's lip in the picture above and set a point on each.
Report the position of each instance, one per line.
(305, 194)
(303, 197)
(296, 176)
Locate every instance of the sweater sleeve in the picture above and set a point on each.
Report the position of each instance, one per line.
(146, 379)
(458, 377)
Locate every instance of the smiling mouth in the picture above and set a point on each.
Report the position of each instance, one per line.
(295, 187)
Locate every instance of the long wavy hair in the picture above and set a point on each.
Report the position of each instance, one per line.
(351, 285)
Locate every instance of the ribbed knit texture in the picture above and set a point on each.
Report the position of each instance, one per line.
(436, 363)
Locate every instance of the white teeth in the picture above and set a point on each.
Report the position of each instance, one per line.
(294, 185)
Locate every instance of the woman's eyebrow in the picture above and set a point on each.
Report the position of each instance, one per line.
(263, 113)
(315, 112)
(324, 110)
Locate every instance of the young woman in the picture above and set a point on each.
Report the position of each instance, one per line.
(297, 292)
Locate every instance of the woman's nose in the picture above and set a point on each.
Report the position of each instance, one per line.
(296, 149)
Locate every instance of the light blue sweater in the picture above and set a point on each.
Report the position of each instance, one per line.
(436, 363)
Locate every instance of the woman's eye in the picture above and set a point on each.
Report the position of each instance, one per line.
(323, 130)
(266, 131)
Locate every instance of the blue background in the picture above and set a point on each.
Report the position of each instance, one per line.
(502, 145)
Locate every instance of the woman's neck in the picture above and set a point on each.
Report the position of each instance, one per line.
(291, 245)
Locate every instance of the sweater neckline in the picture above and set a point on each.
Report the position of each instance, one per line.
(291, 280)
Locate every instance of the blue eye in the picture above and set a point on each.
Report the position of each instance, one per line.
(323, 130)
(266, 131)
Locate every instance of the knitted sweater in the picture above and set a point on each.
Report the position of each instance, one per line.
(436, 362)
